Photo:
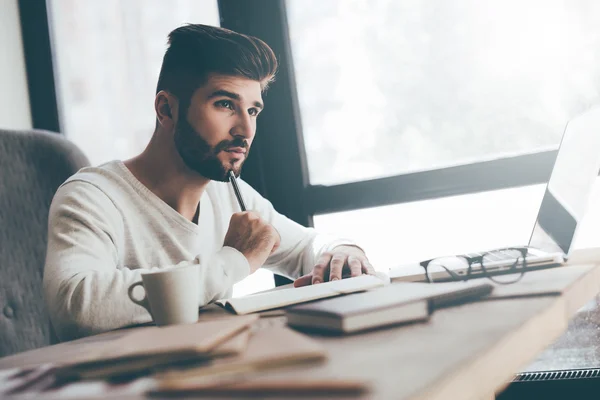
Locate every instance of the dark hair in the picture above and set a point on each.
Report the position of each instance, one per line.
(195, 51)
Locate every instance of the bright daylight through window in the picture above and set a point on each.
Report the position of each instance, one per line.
(391, 87)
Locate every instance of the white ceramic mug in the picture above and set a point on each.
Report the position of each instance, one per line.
(171, 295)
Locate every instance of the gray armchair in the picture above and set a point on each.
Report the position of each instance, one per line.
(33, 164)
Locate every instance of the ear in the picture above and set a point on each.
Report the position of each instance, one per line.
(165, 106)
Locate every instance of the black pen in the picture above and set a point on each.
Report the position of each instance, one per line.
(236, 189)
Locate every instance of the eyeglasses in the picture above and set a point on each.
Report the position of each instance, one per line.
(503, 266)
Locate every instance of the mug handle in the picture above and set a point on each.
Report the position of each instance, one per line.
(143, 302)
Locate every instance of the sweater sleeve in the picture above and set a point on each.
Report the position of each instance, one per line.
(300, 246)
(85, 285)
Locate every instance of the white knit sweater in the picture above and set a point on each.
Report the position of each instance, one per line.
(105, 227)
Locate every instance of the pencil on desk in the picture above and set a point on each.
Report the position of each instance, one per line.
(236, 189)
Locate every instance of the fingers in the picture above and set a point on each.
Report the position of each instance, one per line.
(249, 215)
(367, 268)
(252, 236)
(322, 266)
(336, 265)
(355, 266)
(303, 281)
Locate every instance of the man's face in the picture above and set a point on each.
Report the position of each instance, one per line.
(215, 135)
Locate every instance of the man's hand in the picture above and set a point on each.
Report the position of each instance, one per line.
(253, 237)
(342, 262)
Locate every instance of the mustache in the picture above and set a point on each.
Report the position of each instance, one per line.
(229, 144)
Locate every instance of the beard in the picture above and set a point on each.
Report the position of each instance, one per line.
(201, 157)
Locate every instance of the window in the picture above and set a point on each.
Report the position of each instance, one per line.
(107, 61)
(397, 105)
(392, 87)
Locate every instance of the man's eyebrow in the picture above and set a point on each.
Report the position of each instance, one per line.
(234, 96)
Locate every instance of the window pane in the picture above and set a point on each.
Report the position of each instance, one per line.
(388, 87)
(409, 232)
(108, 55)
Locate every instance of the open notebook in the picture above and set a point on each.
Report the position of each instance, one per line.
(285, 297)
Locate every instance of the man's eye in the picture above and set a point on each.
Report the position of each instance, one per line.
(225, 104)
(253, 112)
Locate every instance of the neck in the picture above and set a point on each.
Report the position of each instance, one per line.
(160, 168)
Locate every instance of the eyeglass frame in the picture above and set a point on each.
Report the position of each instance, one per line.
(479, 260)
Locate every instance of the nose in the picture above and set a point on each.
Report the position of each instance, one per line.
(245, 126)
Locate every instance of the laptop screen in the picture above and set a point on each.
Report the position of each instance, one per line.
(571, 182)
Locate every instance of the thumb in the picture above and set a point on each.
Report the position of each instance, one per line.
(275, 246)
(303, 281)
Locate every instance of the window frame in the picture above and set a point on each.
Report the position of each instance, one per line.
(39, 64)
(280, 172)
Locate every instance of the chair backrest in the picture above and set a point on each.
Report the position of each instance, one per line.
(33, 164)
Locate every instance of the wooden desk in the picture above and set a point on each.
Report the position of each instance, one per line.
(466, 352)
(578, 347)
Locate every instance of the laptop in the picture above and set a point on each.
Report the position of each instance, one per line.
(562, 208)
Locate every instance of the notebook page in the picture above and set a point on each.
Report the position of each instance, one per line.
(286, 297)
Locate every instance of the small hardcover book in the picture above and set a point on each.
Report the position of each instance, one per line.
(390, 305)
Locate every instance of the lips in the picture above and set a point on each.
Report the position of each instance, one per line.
(236, 150)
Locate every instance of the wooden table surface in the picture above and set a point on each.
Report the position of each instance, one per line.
(464, 352)
(578, 347)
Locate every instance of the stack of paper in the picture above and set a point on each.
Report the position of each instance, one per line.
(268, 349)
(147, 348)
